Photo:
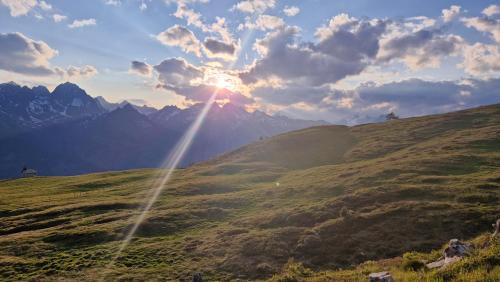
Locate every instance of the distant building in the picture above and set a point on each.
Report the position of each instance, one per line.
(28, 172)
(391, 116)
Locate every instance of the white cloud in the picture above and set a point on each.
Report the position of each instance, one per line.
(113, 2)
(19, 7)
(82, 23)
(492, 10)
(24, 55)
(81, 72)
(191, 17)
(45, 6)
(254, 6)
(482, 60)
(181, 37)
(417, 23)
(263, 22)
(484, 24)
(417, 48)
(334, 25)
(218, 27)
(291, 11)
(143, 6)
(450, 13)
(168, 2)
(58, 18)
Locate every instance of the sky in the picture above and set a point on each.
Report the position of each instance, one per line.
(342, 61)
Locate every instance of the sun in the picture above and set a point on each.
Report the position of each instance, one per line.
(222, 81)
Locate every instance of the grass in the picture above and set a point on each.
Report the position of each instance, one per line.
(337, 201)
(482, 265)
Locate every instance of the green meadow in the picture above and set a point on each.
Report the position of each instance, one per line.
(330, 203)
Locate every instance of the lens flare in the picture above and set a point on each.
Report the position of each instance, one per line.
(170, 164)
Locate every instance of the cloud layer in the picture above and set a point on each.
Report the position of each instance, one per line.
(19, 7)
(266, 55)
(23, 55)
(344, 46)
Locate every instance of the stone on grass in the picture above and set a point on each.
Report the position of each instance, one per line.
(497, 227)
(383, 276)
(455, 251)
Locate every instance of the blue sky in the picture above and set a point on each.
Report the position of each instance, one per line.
(409, 40)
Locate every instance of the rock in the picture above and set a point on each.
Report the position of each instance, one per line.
(453, 253)
(497, 227)
(456, 249)
(436, 264)
(384, 276)
(451, 260)
(197, 277)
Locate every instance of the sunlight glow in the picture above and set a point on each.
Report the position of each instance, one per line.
(221, 80)
(164, 176)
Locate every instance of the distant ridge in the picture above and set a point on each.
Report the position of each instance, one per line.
(77, 134)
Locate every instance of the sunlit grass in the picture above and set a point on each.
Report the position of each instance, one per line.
(402, 186)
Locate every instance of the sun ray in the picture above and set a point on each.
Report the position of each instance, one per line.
(173, 160)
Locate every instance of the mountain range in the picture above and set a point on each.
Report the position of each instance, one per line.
(66, 131)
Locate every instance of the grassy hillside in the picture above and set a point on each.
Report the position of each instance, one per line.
(327, 197)
(483, 265)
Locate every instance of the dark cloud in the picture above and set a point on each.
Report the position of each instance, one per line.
(418, 97)
(413, 95)
(184, 79)
(177, 72)
(344, 48)
(141, 68)
(370, 102)
(23, 55)
(354, 41)
(218, 47)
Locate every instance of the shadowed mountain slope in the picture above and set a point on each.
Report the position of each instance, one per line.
(68, 132)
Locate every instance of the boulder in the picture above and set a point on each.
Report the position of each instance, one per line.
(383, 276)
(456, 248)
(435, 264)
(497, 227)
(453, 253)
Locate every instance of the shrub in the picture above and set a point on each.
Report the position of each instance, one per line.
(411, 261)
